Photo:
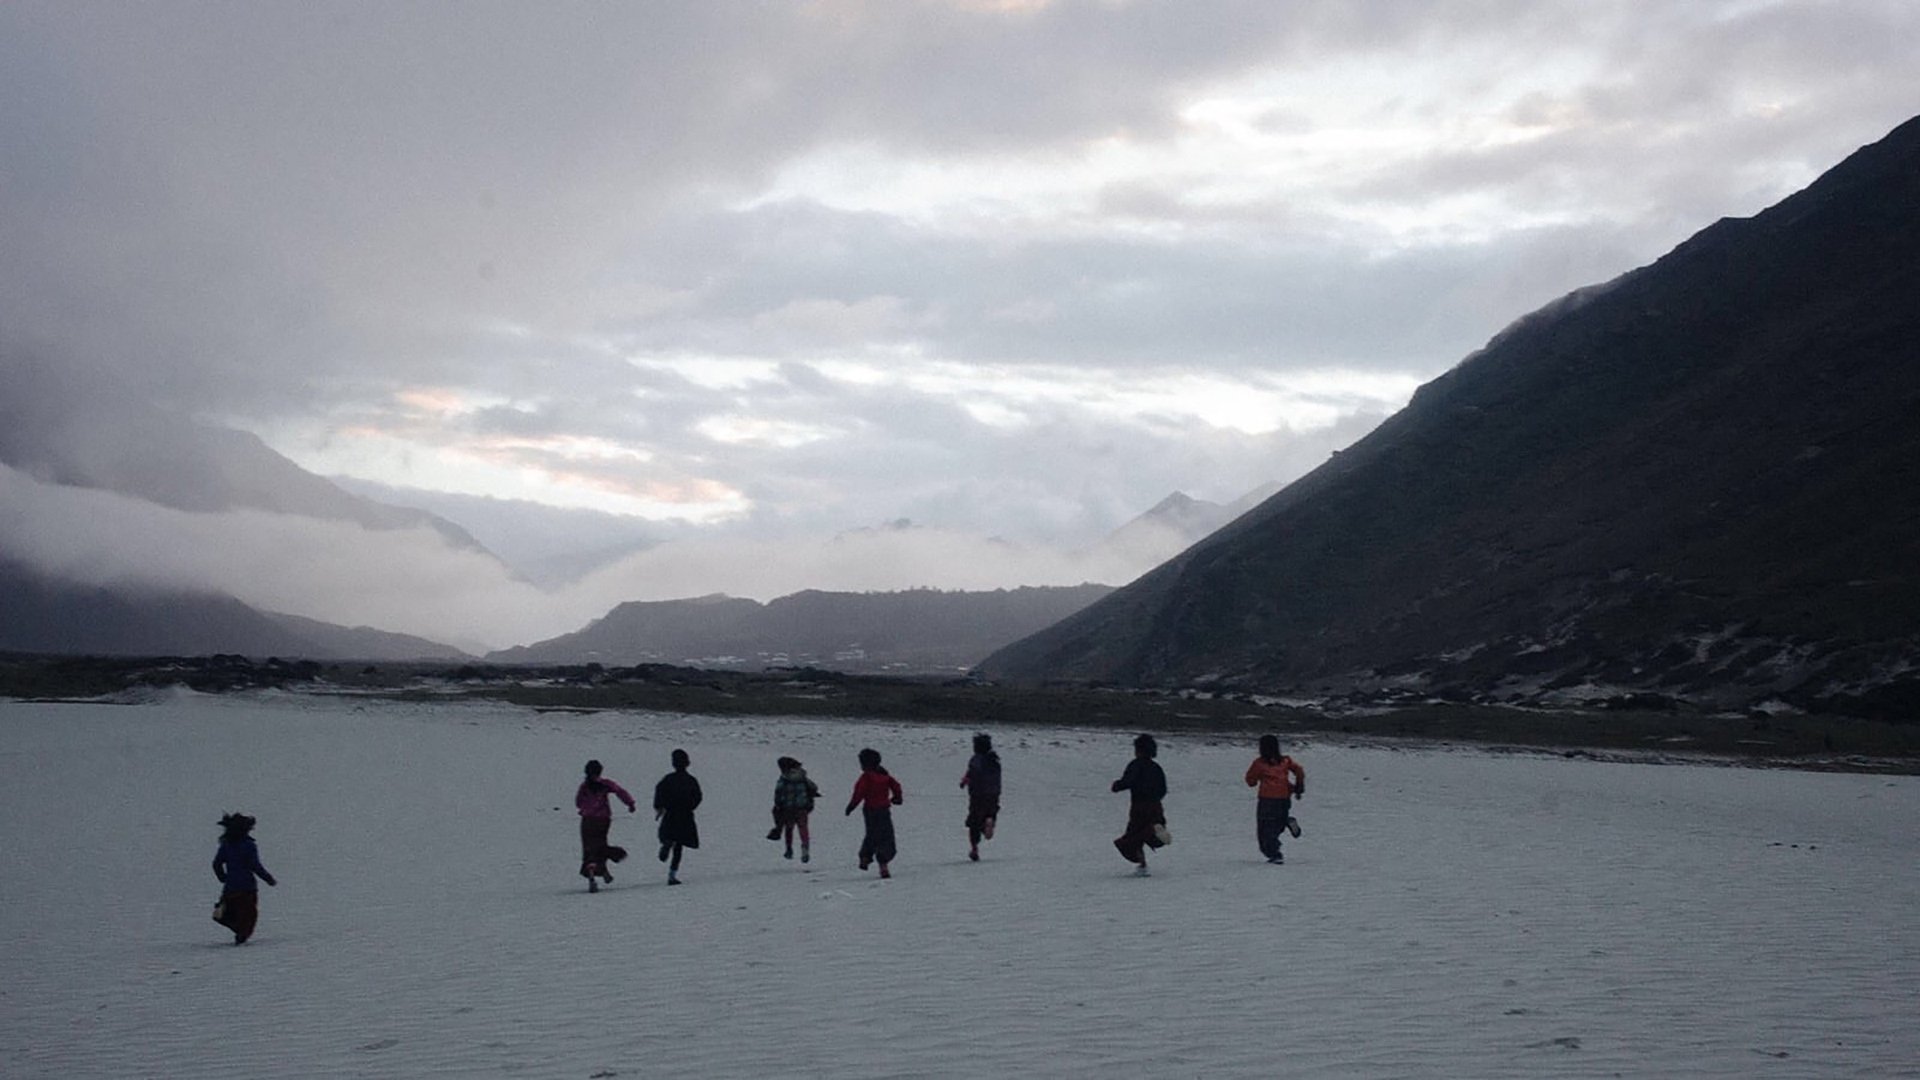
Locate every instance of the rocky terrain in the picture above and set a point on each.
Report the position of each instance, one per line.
(1618, 728)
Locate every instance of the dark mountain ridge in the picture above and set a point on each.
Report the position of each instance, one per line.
(1700, 480)
(918, 630)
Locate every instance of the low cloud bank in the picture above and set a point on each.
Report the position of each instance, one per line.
(411, 581)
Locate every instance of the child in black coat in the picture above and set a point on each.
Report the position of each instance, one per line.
(674, 799)
(237, 865)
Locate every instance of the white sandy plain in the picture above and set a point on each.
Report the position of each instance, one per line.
(1447, 913)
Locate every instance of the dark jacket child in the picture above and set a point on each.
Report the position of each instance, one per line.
(674, 799)
(982, 781)
(876, 793)
(237, 864)
(596, 819)
(1146, 820)
(1280, 780)
(793, 796)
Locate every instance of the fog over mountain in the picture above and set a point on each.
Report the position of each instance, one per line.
(43, 615)
(1700, 480)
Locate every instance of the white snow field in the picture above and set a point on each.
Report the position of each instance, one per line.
(1448, 913)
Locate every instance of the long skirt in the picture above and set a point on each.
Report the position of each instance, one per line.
(878, 843)
(595, 852)
(238, 912)
(1141, 818)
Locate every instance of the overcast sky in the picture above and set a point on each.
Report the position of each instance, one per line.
(762, 273)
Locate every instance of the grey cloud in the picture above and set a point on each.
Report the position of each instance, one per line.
(283, 210)
(1309, 300)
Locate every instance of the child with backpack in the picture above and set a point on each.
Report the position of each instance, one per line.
(793, 796)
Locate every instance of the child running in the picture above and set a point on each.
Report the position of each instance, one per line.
(596, 818)
(877, 792)
(1145, 817)
(674, 799)
(1280, 780)
(982, 781)
(793, 796)
(237, 864)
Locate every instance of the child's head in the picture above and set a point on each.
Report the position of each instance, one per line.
(869, 758)
(593, 769)
(1270, 747)
(787, 764)
(1144, 746)
(235, 826)
(983, 744)
(680, 759)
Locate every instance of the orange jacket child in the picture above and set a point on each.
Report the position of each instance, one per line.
(1277, 779)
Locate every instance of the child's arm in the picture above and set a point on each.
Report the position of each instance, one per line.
(1299, 779)
(859, 789)
(899, 794)
(220, 866)
(622, 792)
(264, 874)
(1253, 773)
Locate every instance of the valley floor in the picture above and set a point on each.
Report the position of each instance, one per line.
(1444, 913)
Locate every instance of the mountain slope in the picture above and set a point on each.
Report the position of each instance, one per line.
(1701, 479)
(920, 629)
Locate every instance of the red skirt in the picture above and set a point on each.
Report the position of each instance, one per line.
(238, 912)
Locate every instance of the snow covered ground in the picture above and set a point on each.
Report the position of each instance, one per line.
(1447, 913)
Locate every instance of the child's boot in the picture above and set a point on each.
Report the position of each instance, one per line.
(806, 855)
(884, 872)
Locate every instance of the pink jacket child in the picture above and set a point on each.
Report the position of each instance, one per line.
(596, 818)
